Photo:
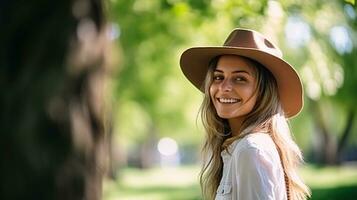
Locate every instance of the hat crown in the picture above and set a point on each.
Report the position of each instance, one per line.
(243, 38)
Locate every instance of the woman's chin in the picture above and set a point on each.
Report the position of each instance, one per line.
(225, 115)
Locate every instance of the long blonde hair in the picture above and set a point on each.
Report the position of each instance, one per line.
(266, 116)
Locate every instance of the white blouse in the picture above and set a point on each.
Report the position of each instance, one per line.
(252, 170)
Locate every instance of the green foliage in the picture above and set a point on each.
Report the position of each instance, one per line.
(351, 1)
(327, 70)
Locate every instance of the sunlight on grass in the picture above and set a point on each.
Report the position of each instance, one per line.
(175, 177)
(326, 183)
(319, 177)
(331, 183)
(154, 184)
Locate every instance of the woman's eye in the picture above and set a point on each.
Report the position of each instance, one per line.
(240, 79)
(216, 78)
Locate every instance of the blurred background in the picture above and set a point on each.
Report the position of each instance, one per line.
(92, 91)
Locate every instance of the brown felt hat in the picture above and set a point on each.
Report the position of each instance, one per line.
(251, 44)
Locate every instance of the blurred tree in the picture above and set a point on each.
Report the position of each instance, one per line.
(326, 32)
(53, 69)
(347, 94)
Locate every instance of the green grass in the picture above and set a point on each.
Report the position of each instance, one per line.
(326, 183)
(155, 184)
(331, 183)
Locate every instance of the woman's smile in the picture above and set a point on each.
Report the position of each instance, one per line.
(228, 100)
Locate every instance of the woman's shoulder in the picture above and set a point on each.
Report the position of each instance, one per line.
(257, 150)
(255, 141)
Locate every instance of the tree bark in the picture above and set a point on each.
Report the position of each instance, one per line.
(52, 78)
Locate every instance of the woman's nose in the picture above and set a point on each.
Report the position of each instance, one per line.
(226, 85)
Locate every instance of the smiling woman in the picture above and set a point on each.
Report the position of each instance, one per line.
(233, 88)
(249, 93)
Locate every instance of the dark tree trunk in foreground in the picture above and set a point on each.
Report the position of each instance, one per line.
(52, 111)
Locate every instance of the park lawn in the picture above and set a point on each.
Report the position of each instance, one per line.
(331, 183)
(327, 183)
(155, 184)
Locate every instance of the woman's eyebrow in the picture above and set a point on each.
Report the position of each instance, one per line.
(240, 71)
(233, 72)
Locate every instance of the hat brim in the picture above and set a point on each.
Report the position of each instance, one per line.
(194, 63)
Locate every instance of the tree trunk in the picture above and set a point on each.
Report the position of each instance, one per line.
(345, 134)
(327, 150)
(148, 152)
(325, 147)
(52, 76)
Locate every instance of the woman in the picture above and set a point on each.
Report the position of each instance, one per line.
(250, 92)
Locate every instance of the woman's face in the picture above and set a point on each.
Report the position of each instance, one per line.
(233, 89)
